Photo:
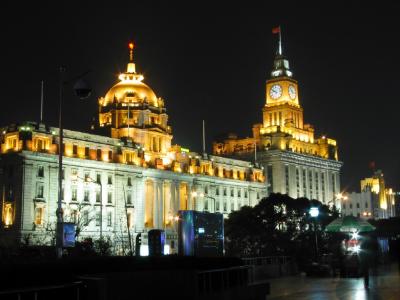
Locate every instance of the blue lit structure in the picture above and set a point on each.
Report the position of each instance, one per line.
(200, 233)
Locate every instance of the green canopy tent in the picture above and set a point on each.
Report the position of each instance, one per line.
(349, 224)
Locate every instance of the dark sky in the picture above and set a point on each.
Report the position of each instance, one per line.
(211, 62)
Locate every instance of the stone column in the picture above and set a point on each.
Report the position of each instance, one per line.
(140, 205)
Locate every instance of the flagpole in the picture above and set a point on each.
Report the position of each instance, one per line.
(280, 41)
(204, 139)
(41, 103)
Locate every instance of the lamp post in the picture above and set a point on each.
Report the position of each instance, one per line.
(82, 91)
(314, 213)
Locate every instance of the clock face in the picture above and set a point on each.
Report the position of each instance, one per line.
(292, 92)
(276, 91)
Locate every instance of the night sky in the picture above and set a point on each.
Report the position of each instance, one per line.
(211, 62)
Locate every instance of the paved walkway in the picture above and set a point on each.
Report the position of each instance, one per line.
(385, 286)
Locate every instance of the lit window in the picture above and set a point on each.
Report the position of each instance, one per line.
(129, 217)
(8, 214)
(39, 215)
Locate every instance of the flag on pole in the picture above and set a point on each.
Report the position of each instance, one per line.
(276, 30)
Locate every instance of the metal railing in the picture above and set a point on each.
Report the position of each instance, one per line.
(70, 291)
(267, 260)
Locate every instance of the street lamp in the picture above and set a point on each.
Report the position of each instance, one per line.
(83, 91)
(314, 213)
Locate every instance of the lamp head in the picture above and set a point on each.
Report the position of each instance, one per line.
(82, 89)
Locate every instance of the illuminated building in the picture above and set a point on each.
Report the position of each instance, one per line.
(375, 201)
(143, 179)
(295, 161)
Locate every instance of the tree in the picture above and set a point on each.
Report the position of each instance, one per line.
(277, 225)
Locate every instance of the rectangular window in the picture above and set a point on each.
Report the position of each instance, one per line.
(129, 219)
(87, 176)
(232, 193)
(86, 195)
(217, 205)
(225, 206)
(217, 191)
(39, 191)
(109, 197)
(110, 155)
(74, 193)
(129, 181)
(205, 204)
(128, 197)
(232, 206)
(39, 215)
(366, 204)
(224, 191)
(109, 219)
(86, 151)
(98, 218)
(358, 205)
(206, 190)
(98, 178)
(85, 217)
(74, 174)
(98, 196)
(98, 154)
(245, 194)
(75, 149)
(109, 179)
(239, 193)
(74, 216)
(40, 171)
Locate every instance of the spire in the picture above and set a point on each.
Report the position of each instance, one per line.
(130, 74)
(131, 66)
(281, 64)
(131, 51)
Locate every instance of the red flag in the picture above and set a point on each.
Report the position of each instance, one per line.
(276, 30)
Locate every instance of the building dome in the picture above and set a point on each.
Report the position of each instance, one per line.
(131, 90)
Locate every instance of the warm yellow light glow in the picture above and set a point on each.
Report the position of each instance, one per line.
(147, 157)
(8, 214)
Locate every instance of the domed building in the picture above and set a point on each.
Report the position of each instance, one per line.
(119, 184)
(132, 110)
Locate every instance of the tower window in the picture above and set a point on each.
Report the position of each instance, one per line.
(40, 171)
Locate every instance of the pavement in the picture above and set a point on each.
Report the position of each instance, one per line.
(385, 285)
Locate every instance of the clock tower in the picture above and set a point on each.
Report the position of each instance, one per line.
(282, 106)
